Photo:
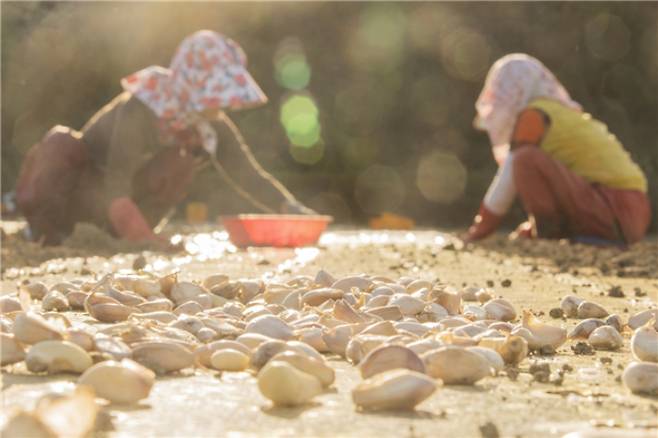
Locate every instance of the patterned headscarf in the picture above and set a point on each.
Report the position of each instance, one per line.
(208, 71)
(512, 83)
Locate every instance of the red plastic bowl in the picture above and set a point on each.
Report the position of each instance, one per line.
(275, 230)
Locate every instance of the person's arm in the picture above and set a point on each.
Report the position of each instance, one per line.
(530, 129)
(130, 147)
(238, 161)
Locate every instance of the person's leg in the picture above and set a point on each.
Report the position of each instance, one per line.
(47, 182)
(562, 203)
(632, 210)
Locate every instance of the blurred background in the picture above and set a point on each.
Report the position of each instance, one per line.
(371, 104)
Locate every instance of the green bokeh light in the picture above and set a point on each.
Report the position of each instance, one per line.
(303, 130)
(299, 117)
(307, 155)
(292, 71)
(379, 38)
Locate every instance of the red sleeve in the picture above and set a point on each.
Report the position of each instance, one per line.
(530, 128)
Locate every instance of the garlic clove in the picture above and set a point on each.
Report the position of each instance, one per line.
(456, 365)
(313, 337)
(495, 360)
(569, 305)
(641, 318)
(285, 385)
(112, 347)
(499, 310)
(337, 339)
(512, 349)
(185, 291)
(11, 350)
(616, 322)
(124, 382)
(347, 283)
(540, 334)
(323, 278)
(203, 353)
(408, 305)
(313, 366)
(162, 356)
(69, 415)
(57, 357)
(35, 290)
(641, 378)
(385, 328)
(605, 338)
(644, 343)
(360, 345)
(584, 328)
(388, 357)
(30, 328)
(228, 359)
(270, 325)
(387, 313)
(10, 304)
(393, 390)
(587, 309)
(451, 301)
(156, 305)
(318, 296)
(82, 337)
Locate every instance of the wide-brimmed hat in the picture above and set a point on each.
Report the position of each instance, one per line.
(208, 71)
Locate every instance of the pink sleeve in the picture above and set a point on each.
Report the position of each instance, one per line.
(502, 192)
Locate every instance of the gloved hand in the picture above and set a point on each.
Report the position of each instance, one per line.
(296, 207)
(484, 224)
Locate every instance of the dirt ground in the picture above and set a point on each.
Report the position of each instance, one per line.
(532, 275)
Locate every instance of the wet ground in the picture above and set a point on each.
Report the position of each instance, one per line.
(531, 275)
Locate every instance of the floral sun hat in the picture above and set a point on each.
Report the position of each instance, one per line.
(512, 83)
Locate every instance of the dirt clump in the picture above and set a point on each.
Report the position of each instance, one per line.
(556, 313)
(583, 349)
(489, 430)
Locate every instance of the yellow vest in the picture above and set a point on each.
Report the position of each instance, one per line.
(585, 146)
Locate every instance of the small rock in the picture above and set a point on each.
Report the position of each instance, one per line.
(557, 379)
(616, 292)
(506, 282)
(540, 372)
(547, 350)
(139, 263)
(490, 283)
(639, 292)
(567, 368)
(605, 360)
(556, 313)
(582, 348)
(512, 373)
(489, 430)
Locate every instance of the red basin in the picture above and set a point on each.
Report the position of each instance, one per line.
(275, 230)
